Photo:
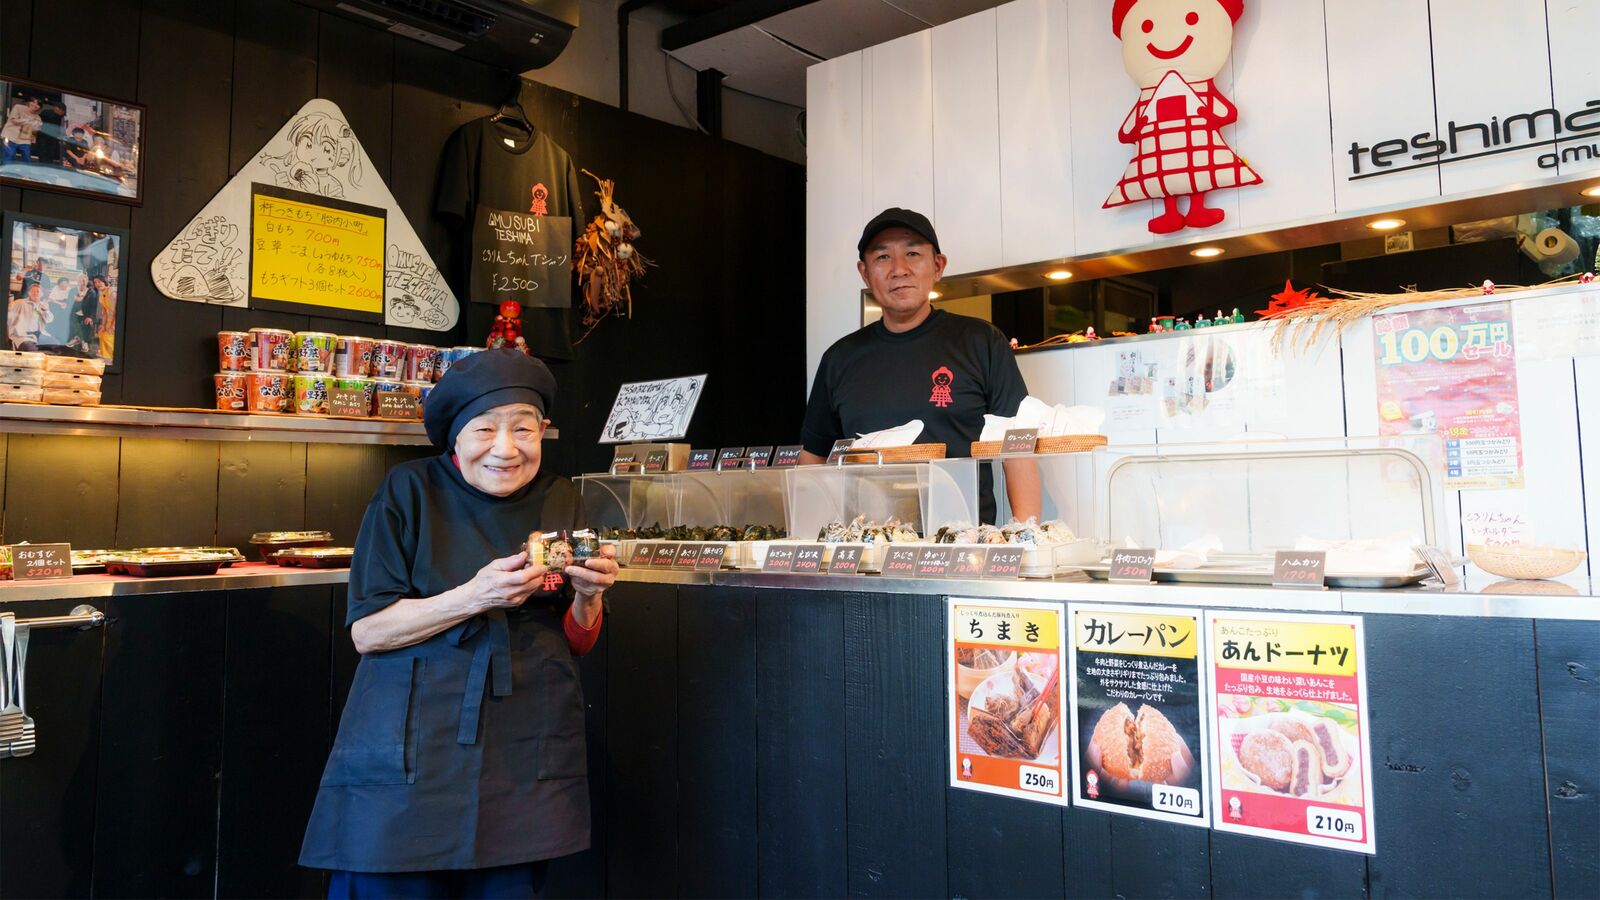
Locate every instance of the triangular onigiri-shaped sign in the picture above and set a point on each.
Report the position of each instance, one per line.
(315, 152)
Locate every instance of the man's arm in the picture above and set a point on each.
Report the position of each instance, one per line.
(1023, 490)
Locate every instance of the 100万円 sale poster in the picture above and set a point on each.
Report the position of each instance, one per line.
(1007, 736)
(1138, 729)
(1291, 753)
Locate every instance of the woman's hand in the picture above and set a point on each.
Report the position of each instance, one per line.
(596, 574)
(505, 583)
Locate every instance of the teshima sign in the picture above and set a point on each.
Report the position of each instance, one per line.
(1458, 142)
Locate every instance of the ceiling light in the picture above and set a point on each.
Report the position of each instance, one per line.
(1058, 275)
(1206, 252)
(1592, 191)
(1385, 224)
(934, 295)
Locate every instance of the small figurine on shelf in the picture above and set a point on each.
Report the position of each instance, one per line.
(1200, 321)
(1183, 325)
(1155, 327)
(507, 330)
(1089, 333)
(1238, 317)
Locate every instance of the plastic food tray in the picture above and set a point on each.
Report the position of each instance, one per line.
(268, 543)
(316, 557)
(1234, 573)
(74, 364)
(157, 565)
(232, 554)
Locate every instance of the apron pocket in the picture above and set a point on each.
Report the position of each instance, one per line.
(377, 741)
(563, 751)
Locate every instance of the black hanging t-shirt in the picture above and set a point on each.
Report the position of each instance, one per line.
(482, 169)
(949, 372)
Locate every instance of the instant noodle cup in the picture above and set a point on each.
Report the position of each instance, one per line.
(421, 360)
(313, 352)
(427, 388)
(269, 391)
(449, 356)
(311, 393)
(231, 390)
(233, 351)
(271, 349)
(356, 383)
(352, 356)
(388, 360)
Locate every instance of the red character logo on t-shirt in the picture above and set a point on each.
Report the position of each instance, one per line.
(942, 377)
(540, 195)
(553, 581)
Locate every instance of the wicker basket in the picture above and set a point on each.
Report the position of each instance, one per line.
(1064, 443)
(909, 453)
(1525, 562)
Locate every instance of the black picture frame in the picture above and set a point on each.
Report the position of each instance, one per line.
(23, 238)
(86, 145)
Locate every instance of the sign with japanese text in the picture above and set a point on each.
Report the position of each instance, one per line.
(761, 455)
(1299, 568)
(348, 402)
(315, 254)
(900, 561)
(846, 559)
(398, 405)
(1020, 440)
(934, 562)
(702, 460)
(642, 554)
(35, 562)
(787, 457)
(1007, 736)
(655, 461)
(807, 559)
(1453, 371)
(521, 256)
(729, 454)
(1132, 565)
(968, 562)
(839, 447)
(1290, 752)
(780, 558)
(688, 556)
(1003, 562)
(711, 557)
(664, 556)
(652, 410)
(1138, 721)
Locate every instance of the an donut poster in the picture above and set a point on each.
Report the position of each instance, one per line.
(1291, 757)
(1138, 722)
(1006, 732)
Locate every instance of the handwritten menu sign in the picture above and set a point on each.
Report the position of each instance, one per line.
(779, 559)
(787, 457)
(967, 563)
(901, 561)
(761, 455)
(1003, 562)
(702, 460)
(348, 402)
(1133, 565)
(642, 554)
(934, 562)
(807, 559)
(728, 455)
(839, 447)
(397, 405)
(1298, 568)
(711, 557)
(664, 556)
(1020, 440)
(846, 559)
(688, 555)
(652, 410)
(655, 461)
(522, 256)
(35, 562)
(317, 255)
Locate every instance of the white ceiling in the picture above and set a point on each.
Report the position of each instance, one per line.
(769, 58)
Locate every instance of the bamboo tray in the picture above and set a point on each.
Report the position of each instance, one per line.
(909, 453)
(1065, 443)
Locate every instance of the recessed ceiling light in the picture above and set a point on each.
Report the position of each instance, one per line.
(1058, 275)
(1592, 191)
(1385, 224)
(1206, 252)
(934, 295)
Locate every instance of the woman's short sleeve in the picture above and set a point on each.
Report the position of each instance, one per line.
(380, 574)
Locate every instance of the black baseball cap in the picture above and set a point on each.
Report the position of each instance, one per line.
(895, 217)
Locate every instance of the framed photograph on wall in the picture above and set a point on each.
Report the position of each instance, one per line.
(64, 283)
(57, 140)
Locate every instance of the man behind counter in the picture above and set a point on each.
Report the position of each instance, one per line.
(918, 362)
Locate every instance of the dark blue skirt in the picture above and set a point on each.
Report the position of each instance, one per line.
(520, 881)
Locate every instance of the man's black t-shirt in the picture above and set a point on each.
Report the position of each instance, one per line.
(481, 169)
(949, 371)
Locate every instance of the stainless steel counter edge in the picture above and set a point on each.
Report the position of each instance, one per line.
(1405, 601)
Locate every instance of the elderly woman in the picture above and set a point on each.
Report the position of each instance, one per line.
(459, 767)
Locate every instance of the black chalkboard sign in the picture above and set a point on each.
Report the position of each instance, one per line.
(523, 257)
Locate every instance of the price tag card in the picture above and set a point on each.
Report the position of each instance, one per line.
(1299, 568)
(711, 557)
(1020, 440)
(779, 559)
(1439, 564)
(787, 457)
(397, 405)
(664, 556)
(729, 454)
(642, 554)
(846, 559)
(348, 402)
(37, 562)
(762, 455)
(839, 447)
(967, 564)
(901, 561)
(1003, 562)
(934, 562)
(807, 559)
(688, 556)
(1133, 565)
(702, 460)
(623, 456)
(655, 461)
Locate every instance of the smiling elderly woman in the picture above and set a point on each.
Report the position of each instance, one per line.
(459, 767)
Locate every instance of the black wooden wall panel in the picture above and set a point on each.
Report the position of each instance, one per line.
(716, 742)
(155, 827)
(340, 482)
(355, 66)
(895, 745)
(276, 736)
(1086, 849)
(800, 735)
(584, 874)
(1460, 800)
(1569, 698)
(16, 35)
(1002, 847)
(1159, 859)
(47, 800)
(260, 487)
(274, 74)
(642, 721)
(167, 494)
(1248, 867)
(61, 488)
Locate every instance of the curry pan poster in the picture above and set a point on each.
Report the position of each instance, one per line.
(1138, 726)
(1291, 753)
(1007, 735)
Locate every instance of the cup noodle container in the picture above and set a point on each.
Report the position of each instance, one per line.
(421, 361)
(311, 393)
(233, 351)
(388, 360)
(357, 383)
(313, 352)
(271, 349)
(231, 390)
(352, 356)
(270, 392)
(449, 356)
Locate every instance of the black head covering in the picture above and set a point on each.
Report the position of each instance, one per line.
(895, 217)
(481, 382)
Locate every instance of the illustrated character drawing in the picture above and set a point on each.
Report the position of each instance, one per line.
(541, 197)
(1173, 49)
(321, 150)
(200, 265)
(942, 377)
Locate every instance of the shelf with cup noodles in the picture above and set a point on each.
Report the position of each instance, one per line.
(272, 371)
(46, 378)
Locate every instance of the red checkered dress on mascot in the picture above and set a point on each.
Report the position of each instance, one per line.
(1178, 148)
